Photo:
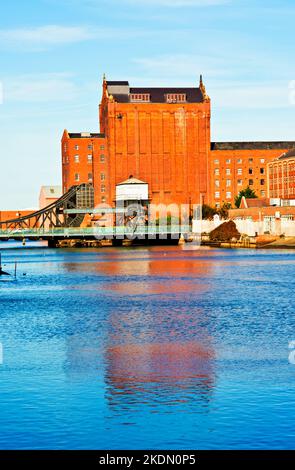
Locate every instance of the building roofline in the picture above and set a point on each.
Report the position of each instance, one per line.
(85, 135)
(255, 145)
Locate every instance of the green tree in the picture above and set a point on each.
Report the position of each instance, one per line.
(208, 212)
(248, 193)
(223, 211)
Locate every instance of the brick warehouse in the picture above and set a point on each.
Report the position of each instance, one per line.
(161, 136)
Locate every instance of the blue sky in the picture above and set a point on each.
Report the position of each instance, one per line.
(54, 53)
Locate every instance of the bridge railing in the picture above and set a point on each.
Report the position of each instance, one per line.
(96, 232)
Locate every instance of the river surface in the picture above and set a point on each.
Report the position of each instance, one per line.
(161, 347)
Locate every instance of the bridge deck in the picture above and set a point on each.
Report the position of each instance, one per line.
(173, 231)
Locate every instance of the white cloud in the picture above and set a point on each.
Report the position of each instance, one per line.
(183, 66)
(256, 96)
(44, 36)
(221, 76)
(40, 88)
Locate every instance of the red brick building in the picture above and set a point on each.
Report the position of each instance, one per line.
(281, 176)
(236, 165)
(161, 136)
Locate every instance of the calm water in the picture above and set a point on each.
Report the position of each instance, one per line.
(147, 348)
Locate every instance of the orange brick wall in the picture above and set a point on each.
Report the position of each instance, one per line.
(10, 215)
(89, 170)
(236, 162)
(165, 145)
(281, 179)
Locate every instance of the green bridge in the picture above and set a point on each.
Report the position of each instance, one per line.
(139, 232)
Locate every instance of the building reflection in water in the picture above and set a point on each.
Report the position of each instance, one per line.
(156, 348)
(159, 351)
(171, 373)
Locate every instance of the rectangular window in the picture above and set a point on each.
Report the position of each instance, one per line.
(102, 176)
(77, 177)
(251, 182)
(262, 171)
(216, 171)
(217, 194)
(228, 195)
(76, 158)
(228, 183)
(102, 158)
(227, 161)
(239, 161)
(217, 205)
(102, 147)
(217, 183)
(89, 158)
(250, 171)
(262, 160)
(89, 147)
(227, 171)
(103, 199)
(240, 171)
(140, 97)
(216, 162)
(89, 176)
(76, 147)
(103, 188)
(262, 193)
(175, 98)
(262, 182)
(250, 160)
(240, 182)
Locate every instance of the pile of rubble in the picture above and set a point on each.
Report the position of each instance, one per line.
(225, 232)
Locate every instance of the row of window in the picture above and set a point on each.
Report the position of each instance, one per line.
(169, 97)
(239, 171)
(77, 147)
(239, 183)
(262, 194)
(239, 160)
(280, 169)
(89, 159)
(90, 177)
(77, 177)
(139, 97)
(175, 97)
(228, 194)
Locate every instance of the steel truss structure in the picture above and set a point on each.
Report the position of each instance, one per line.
(55, 215)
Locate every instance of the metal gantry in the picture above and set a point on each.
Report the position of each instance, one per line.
(55, 215)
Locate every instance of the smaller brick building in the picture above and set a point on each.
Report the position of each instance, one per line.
(236, 165)
(48, 195)
(281, 176)
(84, 160)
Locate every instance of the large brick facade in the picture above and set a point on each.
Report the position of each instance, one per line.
(236, 165)
(281, 176)
(162, 136)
